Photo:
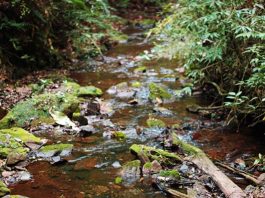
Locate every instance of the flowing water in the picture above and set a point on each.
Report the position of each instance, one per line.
(89, 171)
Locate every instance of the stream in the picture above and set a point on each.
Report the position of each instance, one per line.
(95, 161)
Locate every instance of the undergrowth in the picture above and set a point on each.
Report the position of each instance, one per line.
(222, 46)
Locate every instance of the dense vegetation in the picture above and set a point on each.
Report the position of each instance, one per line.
(37, 34)
(222, 44)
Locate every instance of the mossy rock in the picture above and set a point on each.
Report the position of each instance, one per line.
(43, 120)
(12, 141)
(153, 122)
(55, 149)
(10, 145)
(89, 91)
(3, 189)
(140, 69)
(136, 84)
(35, 110)
(148, 165)
(119, 135)
(170, 173)
(118, 180)
(157, 91)
(131, 164)
(21, 134)
(152, 153)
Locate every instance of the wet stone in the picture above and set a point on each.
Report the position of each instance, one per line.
(87, 130)
(24, 176)
(131, 172)
(152, 167)
(116, 164)
(14, 157)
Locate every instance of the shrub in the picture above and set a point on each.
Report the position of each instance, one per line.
(222, 44)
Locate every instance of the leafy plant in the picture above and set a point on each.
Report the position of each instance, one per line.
(37, 34)
(222, 45)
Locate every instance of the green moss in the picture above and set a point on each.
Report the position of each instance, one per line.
(154, 154)
(42, 120)
(187, 148)
(56, 147)
(119, 37)
(118, 180)
(140, 69)
(134, 163)
(152, 122)
(119, 135)
(71, 87)
(170, 173)
(148, 165)
(10, 143)
(147, 22)
(3, 189)
(21, 134)
(89, 91)
(175, 126)
(158, 92)
(136, 84)
(35, 110)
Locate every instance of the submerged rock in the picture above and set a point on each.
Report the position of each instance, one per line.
(89, 91)
(131, 171)
(153, 122)
(55, 150)
(87, 130)
(157, 91)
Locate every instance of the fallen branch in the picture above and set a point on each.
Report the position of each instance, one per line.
(176, 193)
(200, 159)
(239, 172)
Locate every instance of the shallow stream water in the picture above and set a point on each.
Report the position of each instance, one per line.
(89, 171)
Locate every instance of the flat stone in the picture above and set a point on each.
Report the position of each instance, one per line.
(116, 164)
(87, 130)
(13, 158)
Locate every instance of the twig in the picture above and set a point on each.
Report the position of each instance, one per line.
(176, 193)
(240, 172)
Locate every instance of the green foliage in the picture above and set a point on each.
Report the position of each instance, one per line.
(37, 34)
(222, 43)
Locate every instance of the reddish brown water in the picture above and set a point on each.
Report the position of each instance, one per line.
(92, 175)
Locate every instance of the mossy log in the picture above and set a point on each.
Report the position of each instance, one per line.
(147, 153)
(200, 159)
